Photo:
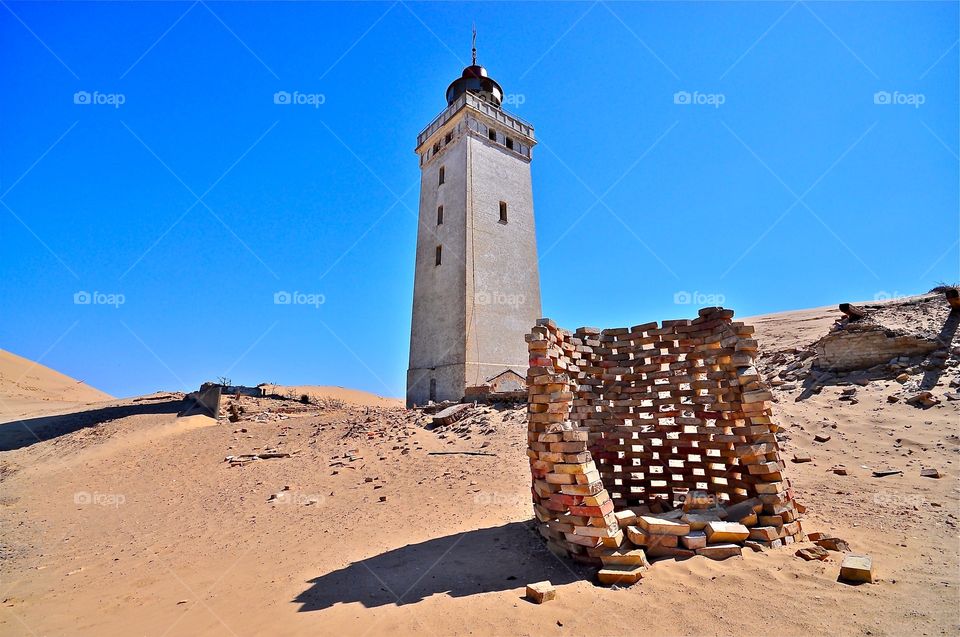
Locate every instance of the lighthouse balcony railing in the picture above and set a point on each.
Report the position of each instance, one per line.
(491, 111)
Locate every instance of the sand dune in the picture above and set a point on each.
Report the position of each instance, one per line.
(27, 388)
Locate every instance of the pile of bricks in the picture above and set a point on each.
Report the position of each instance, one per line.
(654, 440)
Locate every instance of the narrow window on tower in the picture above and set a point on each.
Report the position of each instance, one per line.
(446, 140)
(436, 148)
(439, 215)
(439, 254)
(503, 212)
(509, 143)
(492, 134)
(440, 183)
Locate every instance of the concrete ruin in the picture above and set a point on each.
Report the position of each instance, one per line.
(654, 440)
(875, 334)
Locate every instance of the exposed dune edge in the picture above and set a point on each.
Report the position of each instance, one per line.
(351, 396)
(26, 386)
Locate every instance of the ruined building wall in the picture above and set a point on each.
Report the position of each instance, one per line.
(861, 345)
(624, 417)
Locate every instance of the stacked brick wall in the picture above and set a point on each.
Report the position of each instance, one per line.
(640, 417)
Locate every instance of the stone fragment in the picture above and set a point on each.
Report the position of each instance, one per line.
(839, 469)
(923, 399)
(930, 472)
(801, 457)
(856, 568)
(813, 553)
(540, 592)
(821, 437)
(833, 544)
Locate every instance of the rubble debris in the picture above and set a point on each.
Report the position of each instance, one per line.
(813, 553)
(452, 414)
(930, 472)
(833, 544)
(924, 400)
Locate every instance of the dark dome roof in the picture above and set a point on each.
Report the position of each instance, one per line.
(475, 80)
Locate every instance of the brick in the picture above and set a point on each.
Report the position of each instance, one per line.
(540, 592)
(658, 526)
(857, 568)
(722, 532)
(620, 574)
(719, 551)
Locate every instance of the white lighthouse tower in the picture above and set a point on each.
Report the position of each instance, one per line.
(476, 288)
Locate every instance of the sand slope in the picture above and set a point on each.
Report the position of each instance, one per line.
(136, 525)
(27, 387)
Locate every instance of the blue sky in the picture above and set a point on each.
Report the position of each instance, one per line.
(811, 159)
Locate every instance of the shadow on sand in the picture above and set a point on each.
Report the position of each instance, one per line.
(482, 561)
(23, 433)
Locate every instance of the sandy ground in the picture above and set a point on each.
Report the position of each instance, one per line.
(28, 389)
(129, 521)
